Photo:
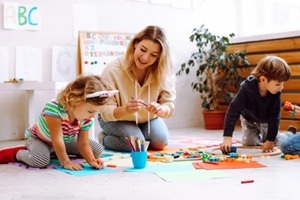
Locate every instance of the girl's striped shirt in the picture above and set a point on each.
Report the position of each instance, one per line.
(53, 108)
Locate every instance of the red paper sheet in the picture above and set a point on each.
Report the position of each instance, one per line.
(227, 165)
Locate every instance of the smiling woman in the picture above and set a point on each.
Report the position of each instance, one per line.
(145, 80)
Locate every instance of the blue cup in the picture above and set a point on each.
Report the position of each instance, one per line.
(139, 159)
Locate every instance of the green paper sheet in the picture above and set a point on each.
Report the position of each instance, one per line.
(167, 167)
(192, 175)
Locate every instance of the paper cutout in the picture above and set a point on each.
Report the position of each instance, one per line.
(227, 165)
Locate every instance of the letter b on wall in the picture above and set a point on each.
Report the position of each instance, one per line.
(19, 16)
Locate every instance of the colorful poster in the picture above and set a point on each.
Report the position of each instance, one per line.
(20, 16)
(97, 49)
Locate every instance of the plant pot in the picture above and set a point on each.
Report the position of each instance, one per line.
(214, 119)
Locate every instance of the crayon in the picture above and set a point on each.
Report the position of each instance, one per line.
(111, 165)
(247, 181)
(142, 103)
(213, 163)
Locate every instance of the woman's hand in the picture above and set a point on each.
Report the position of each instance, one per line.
(134, 105)
(156, 109)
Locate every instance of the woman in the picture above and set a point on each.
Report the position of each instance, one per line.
(146, 84)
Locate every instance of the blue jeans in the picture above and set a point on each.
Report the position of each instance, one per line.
(116, 131)
(290, 144)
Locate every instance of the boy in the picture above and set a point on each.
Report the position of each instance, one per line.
(258, 105)
(290, 143)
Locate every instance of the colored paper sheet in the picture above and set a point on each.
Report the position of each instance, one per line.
(227, 165)
(167, 167)
(86, 170)
(192, 175)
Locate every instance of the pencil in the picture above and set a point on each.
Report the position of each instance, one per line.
(111, 165)
(129, 144)
(142, 102)
(247, 181)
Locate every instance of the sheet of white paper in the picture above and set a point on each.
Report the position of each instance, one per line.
(184, 4)
(29, 63)
(63, 63)
(4, 71)
(162, 2)
(84, 18)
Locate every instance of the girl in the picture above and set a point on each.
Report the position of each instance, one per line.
(145, 79)
(63, 127)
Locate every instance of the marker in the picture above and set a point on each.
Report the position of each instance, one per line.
(247, 181)
(142, 102)
(111, 165)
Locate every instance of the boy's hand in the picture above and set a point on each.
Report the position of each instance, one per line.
(297, 110)
(268, 147)
(226, 145)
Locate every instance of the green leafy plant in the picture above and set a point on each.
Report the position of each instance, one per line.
(216, 70)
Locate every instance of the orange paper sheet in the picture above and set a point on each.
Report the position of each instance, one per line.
(227, 165)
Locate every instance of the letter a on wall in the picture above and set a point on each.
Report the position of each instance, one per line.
(19, 16)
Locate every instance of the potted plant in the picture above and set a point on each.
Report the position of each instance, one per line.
(217, 72)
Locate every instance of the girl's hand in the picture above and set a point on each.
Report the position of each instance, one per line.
(71, 165)
(97, 163)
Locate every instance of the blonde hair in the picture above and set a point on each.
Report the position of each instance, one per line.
(75, 92)
(163, 66)
(273, 68)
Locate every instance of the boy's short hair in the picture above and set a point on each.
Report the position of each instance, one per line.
(273, 68)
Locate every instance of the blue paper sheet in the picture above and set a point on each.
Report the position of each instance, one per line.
(86, 170)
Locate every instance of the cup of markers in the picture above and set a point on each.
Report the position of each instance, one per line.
(139, 159)
(138, 152)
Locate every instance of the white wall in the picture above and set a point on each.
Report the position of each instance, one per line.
(113, 16)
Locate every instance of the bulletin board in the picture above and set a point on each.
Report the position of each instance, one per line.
(96, 49)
